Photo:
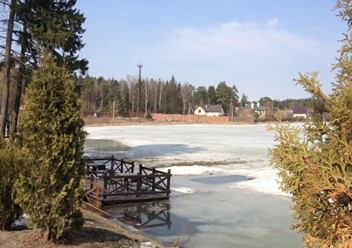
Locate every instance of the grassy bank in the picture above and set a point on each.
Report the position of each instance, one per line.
(97, 232)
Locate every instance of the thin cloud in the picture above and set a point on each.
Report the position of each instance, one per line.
(244, 40)
(259, 58)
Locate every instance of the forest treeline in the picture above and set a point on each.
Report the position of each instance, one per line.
(135, 96)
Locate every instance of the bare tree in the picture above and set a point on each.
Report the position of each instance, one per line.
(186, 93)
(7, 74)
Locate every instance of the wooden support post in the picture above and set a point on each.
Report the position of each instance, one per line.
(139, 182)
(153, 179)
(168, 182)
(105, 187)
(97, 199)
(91, 181)
(112, 163)
(121, 165)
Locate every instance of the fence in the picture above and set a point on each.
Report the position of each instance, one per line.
(113, 180)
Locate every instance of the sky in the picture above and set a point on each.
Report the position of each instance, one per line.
(260, 46)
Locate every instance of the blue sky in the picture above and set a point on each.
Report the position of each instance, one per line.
(258, 45)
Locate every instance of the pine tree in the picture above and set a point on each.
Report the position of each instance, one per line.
(211, 95)
(315, 163)
(51, 186)
(32, 27)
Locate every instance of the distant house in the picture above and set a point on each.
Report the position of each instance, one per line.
(210, 110)
(259, 110)
(300, 112)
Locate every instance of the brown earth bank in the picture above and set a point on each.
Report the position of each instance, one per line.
(97, 232)
(104, 121)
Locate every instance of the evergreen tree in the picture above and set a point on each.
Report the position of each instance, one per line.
(32, 27)
(244, 101)
(200, 96)
(317, 170)
(55, 26)
(211, 95)
(11, 160)
(234, 96)
(225, 95)
(51, 186)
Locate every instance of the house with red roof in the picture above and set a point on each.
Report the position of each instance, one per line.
(300, 112)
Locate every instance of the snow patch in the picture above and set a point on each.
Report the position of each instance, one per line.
(184, 190)
(191, 170)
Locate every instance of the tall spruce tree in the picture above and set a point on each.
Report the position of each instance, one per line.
(315, 163)
(51, 186)
(32, 27)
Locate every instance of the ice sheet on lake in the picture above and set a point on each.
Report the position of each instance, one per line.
(237, 150)
(234, 213)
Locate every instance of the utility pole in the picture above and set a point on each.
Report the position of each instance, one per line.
(139, 86)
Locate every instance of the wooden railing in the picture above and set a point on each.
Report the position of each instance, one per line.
(115, 180)
(99, 166)
(93, 191)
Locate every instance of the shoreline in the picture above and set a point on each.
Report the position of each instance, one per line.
(97, 232)
(124, 229)
(121, 121)
(134, 121)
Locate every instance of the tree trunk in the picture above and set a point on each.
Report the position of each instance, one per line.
(15, 111)
(160, 95)
(7, 76)
(146, 96)
(156, 97)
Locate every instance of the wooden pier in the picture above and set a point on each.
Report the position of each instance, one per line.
(111, 180)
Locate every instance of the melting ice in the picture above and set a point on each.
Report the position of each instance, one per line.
(224, 191)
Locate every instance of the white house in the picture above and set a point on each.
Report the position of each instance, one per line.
(210, 110)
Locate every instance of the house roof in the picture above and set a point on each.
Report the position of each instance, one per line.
(212, 108)
(300, 110)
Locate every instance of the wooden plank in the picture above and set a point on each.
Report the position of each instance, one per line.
(91, 207)
(133, 199)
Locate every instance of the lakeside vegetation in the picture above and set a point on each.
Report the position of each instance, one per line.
(317, 170)
(41, 165)
(131, 97)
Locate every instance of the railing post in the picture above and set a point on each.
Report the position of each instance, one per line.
(153, 179)
(105, 187)
(91, 181)
(139, 182)
(168, 182)
(121, 165)
(97, 199)
(112, 163)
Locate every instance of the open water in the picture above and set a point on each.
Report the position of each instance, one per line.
(224, 191)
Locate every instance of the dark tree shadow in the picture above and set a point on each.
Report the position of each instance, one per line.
(92, 235)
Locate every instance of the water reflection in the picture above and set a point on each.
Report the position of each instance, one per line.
(104, 145)
(143, 215)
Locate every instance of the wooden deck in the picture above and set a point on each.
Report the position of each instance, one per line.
(111, 180)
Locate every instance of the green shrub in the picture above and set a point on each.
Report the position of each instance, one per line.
(315, 163)
(51, 187)
(11, 160)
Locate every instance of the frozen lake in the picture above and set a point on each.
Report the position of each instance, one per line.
(224, 191)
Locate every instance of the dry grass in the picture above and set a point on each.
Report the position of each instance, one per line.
(97, 232)
(106, 121)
